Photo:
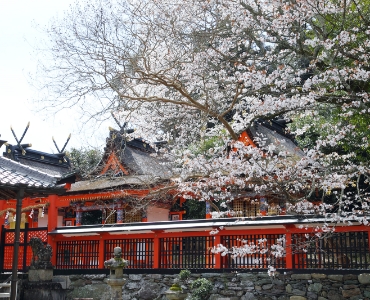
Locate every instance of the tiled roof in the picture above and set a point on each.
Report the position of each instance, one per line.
(136, 155)
(282, 142)
(52, 164)
(14, 174)
(142, 163)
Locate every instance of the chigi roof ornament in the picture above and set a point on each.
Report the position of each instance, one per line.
(2, 142)
(121, 127)
(65, 144)
(55, 164)
(21, 146)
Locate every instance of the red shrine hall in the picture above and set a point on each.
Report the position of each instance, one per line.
(127, 201)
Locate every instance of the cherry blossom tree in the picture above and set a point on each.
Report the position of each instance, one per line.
(199, 73)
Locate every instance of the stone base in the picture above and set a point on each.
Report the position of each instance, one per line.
(175, 295)
(114, 282)
(42, 294)
(43, 291)
(116, 287)
(40, 275)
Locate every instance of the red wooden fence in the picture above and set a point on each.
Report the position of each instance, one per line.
(348, 248)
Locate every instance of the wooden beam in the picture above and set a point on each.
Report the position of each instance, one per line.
(65, 200)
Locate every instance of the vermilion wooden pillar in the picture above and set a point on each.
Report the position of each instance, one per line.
(288, 251)
(101, 251)
(52, 224)
(156, 252)
(217, 256)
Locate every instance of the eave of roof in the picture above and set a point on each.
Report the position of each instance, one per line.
(272, 222)
(113, 182)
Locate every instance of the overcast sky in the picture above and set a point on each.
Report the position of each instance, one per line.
(18, 37)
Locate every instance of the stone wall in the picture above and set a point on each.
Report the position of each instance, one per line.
(232, 286)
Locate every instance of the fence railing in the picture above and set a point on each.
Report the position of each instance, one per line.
(77, 255)
(260, 246)
(345, 250)
(139, 252)
(194, 250)
(305, 251)
(25, 252)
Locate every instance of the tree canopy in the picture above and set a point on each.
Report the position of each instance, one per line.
(196, 71)
(85, 160)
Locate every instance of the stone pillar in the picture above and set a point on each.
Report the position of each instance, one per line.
(41, 268)
(176, 295)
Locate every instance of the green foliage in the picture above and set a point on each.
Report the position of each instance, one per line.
(205, 146)
(85, 160)
(184, 275)
(201, 289)
(195, 209)
(324, 124)
(314, 126)
(92, 217)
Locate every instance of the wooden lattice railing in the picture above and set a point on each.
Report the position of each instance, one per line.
(346, 249)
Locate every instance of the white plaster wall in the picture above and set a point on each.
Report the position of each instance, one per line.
(157, 214)
(60, 221)
(43, 222)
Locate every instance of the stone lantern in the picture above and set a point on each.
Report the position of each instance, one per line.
(116, 280)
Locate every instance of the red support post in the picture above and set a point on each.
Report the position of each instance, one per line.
(288, 251)
(217, 257)
(156, 252)
(101, 252)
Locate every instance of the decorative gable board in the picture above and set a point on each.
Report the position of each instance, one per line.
(113, 164)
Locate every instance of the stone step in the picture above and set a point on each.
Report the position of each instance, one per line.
(4, 295)
(5, 285)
